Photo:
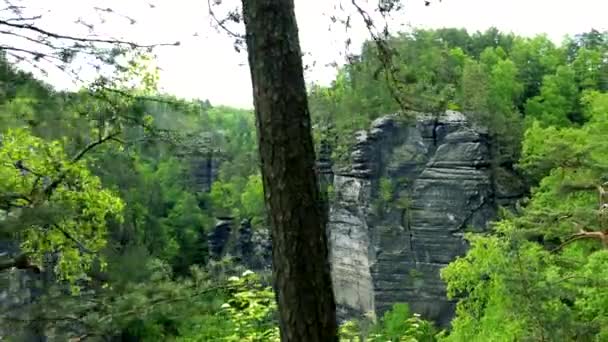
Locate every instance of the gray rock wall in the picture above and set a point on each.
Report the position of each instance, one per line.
(250, 247)
(400, 210)
(18, 289)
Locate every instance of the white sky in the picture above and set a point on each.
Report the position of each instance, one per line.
(207, 67)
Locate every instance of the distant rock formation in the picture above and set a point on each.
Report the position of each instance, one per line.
(205, 170)
(250, 247)
(399, 211)
(218, 237)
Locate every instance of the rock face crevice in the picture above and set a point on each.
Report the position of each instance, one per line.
(400, 211)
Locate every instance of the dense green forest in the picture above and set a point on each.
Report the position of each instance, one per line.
(107, 182)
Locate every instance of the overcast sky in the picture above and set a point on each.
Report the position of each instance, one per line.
(206, 65)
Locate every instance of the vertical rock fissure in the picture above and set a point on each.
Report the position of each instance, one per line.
(406, 219)
(468, 219)
(435, 125)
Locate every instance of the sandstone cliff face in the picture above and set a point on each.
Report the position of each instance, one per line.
(250, 247)
(398, 213)
(18, 289)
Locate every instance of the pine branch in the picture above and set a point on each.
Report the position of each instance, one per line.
(585, 235)
(573, 187)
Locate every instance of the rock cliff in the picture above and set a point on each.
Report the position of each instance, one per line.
(18, 289)
(399, 211)
(250, 247)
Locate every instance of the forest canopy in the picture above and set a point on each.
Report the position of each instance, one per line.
(116, 194)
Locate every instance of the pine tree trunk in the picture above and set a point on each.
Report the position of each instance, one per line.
(299, 244)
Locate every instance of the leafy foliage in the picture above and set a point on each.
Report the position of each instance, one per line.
(397, 324)
(541, 277)
(106, 180)
(37, 174)
(501, 81)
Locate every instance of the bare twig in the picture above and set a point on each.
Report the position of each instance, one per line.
(33, 40)
(36, 54)
(222, 23)
(386, 55)
(36, 17)
(33, 28)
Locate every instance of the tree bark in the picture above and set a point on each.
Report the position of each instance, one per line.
(301, 268)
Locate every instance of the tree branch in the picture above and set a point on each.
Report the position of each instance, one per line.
(54, 184)
(91, 146)
(221, 23)
(385, 55)
(69, 236)
(36, 17)
(572, 187)
(36, 54)
(33, 40)
(581, 235)
(36, 29)
(7, 200)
